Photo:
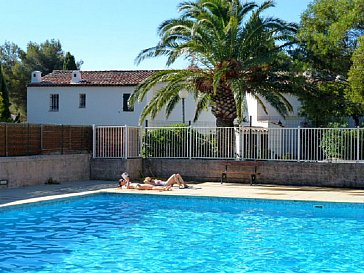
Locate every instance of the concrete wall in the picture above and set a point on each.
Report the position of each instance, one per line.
(349, 175)
(111, 169)
(33, 170)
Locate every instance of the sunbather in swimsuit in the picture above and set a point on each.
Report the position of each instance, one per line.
(173, 179)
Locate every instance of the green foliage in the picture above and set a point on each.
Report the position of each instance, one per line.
(331, 144)
(18, 65)
(173, 142)
(356, 75)
(4, 99)
(325, 104)
(329, 32)
(331, 47)
(233, 50)
(341, 144)
(15, 76)
(69, 62)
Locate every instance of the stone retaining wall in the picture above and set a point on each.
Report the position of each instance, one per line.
(110, 169)
(33, 170)
(350, 175)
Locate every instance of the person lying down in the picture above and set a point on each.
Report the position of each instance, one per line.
(151, 184)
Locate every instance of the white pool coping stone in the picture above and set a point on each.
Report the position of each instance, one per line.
(211, 189)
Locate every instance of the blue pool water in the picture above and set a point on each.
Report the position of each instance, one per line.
(139, 233)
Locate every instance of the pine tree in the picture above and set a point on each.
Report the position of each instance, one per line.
(69, 62)
(4, 99)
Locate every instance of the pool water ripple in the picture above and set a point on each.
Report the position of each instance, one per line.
(126, 233)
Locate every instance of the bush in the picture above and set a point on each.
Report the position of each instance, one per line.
(174, 141)
(341, 144)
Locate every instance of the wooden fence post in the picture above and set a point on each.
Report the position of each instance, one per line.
(6, 140)
(62, 139)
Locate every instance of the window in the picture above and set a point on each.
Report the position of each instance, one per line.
(54, 103)
(126, 107)
(82, 101)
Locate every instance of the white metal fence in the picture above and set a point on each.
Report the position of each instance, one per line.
(116, 142)
(239, 143)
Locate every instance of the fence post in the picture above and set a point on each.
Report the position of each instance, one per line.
(93, 141)
(41, 139)
(190, 142)
(146, 137)
(28, 142)
(62, 139)
(141, 140)
(358, 144)
(126, 142)
(298, 143)
(240, 142)
(6, 141)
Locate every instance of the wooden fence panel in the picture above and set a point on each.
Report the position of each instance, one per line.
(31, 139)
(2, 140)
(52, 139)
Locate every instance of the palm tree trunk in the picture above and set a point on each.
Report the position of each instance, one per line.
(220, 122)
(224, 109)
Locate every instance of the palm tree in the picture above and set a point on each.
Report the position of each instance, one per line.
(233, 51)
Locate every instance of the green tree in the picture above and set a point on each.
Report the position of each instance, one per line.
(11, 63)
(325, 104)
(329, 38)
(329, 33)
(4, 99)
(69, 62)
(18, 65)
(356, 75)
(233, 51)
(44, 57)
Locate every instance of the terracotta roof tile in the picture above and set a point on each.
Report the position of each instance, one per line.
(95, 78)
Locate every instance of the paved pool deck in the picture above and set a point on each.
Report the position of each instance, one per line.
(47, 192)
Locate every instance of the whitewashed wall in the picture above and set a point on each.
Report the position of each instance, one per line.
(205, 119)
(104, 106)
(272, 117)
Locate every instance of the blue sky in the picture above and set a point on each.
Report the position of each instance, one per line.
(105, 34)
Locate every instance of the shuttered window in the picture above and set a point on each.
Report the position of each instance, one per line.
(54, 102)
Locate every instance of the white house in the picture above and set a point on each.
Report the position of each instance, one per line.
(95, 97)
(100, 97)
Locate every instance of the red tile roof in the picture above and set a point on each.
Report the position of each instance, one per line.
(95, 78)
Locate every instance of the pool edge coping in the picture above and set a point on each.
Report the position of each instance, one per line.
(175, 192)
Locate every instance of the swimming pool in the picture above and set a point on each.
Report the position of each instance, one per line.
(143, 233)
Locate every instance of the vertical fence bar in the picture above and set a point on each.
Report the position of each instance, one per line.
(126, 141)
(298, 144)
(358, 144)
(93, 140)
(141, 141)
(190, 142)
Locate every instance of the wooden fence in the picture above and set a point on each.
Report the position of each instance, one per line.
(35, 139)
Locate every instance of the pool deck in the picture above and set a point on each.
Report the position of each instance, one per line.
(48, 192)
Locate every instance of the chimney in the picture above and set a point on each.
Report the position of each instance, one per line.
(76, 76)
(36, 77)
